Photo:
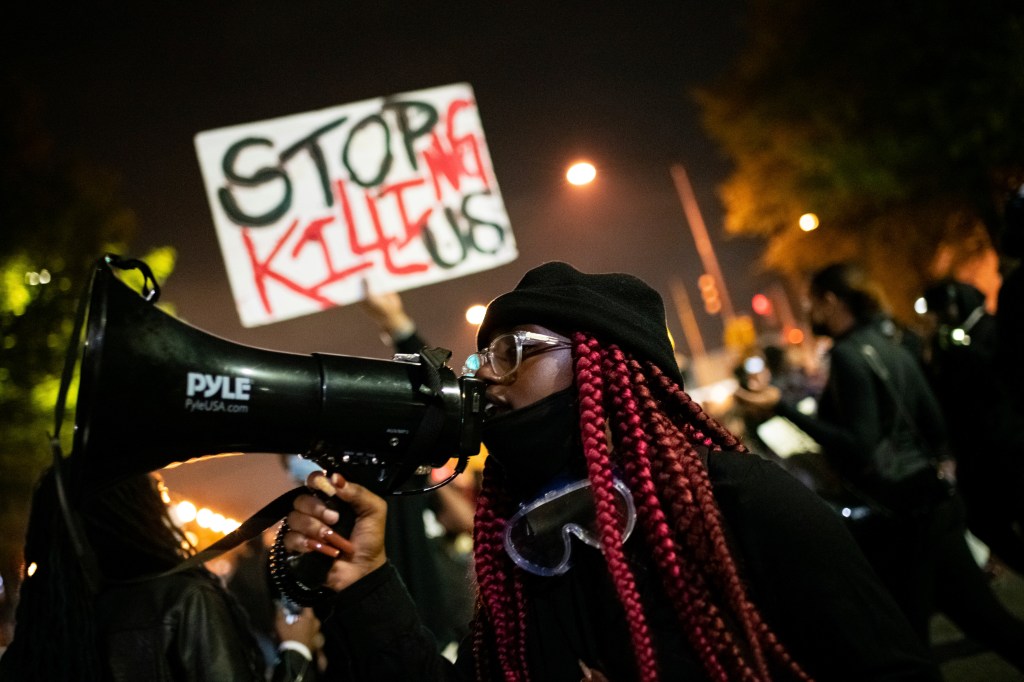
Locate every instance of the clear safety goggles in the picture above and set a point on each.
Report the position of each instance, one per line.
(539, 536)
(506, 352)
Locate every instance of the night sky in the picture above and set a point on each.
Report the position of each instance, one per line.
(128, 85)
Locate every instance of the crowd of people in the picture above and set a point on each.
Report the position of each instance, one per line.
(884, 434)
(619, 531)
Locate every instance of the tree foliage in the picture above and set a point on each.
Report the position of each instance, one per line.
(900, 124)
(57, 216)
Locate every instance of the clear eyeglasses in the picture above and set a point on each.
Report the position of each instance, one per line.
(507, 351)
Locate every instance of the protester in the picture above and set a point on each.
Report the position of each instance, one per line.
(772, 436)
(1010, 311)
(883, 432)
(689, 559)
(792, 376)
(397, 328)
(961, 361)
(428, 557)
(97, 603)
(270, 615)
(753, 373)
(248, 581)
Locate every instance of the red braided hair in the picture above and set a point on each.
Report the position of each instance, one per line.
(498, 583)
(655, 428)
(599, 471)
(656, 447)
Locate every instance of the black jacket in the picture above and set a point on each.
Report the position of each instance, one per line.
(856, 411)
(184, 627)
(812, 585)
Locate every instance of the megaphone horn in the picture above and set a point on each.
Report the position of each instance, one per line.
(155, 391)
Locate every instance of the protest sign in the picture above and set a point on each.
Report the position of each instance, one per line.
(392, 193)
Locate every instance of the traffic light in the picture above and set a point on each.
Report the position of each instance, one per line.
(739, 334)
(709, 292)
(761, 304)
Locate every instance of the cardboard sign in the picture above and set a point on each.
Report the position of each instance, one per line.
(391, 193)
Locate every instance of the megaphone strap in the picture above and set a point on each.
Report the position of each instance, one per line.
(252, 527)
(70, 359)
(78, 542)
(285, 569)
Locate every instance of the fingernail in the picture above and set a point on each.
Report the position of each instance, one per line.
(587, 675)
(329, 516)
(339, 541)
(338, 480)
(329, 551)
(323, 485)
(346, 546)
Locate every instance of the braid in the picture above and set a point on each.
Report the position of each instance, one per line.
(718, 434)
(595, 448)
(499, 587)
(692, 510)
(759, 637)
(481, 635)
(520, 620)
(675, 504)
(683, 584)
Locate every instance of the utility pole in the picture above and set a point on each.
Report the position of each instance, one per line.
(691, 330)
(700, 237)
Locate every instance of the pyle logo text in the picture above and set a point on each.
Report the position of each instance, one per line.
(225, 387)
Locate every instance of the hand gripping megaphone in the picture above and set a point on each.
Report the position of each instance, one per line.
(155, 391)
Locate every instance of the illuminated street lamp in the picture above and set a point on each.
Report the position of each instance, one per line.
(475, 314)
(581, 173)
(808, 222)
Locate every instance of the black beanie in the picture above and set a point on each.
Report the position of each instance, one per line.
(614, 307)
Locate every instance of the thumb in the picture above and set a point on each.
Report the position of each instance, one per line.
(362, 500)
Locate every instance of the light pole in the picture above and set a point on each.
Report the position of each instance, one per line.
(700, 237)
(712, 281)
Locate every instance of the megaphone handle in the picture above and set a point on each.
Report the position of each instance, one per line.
(312, 568)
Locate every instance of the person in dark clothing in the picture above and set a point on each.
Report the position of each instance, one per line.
(114, 613)
(961, 361)
(792, 380)
(917, 541)
(1010, 310)
(621, 533)
(441, 585)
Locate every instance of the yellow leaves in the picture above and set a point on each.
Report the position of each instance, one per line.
(160, 260)
(15, 291)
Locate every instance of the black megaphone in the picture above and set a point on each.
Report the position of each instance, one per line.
(155, 391)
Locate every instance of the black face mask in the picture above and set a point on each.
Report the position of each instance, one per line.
(536, 444)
